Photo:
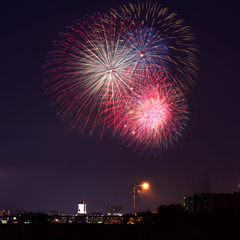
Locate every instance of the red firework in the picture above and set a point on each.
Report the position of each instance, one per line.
(111, 71)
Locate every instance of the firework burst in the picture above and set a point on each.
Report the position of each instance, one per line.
(156, 115)
(149, 50)
(126, 72)
(178, 36)
(91, 70)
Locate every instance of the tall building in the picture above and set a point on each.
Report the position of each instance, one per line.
(82, 207)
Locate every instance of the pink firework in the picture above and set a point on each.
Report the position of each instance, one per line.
(155, 116)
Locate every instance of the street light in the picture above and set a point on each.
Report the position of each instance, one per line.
(145, 186)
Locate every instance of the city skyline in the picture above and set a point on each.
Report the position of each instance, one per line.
(46, 164)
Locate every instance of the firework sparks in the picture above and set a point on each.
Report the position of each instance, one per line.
(128, 73)
(179, 37)
(155, 116)
(91, 70)
(149, 49)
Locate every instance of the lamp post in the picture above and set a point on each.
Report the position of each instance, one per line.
(145, 186)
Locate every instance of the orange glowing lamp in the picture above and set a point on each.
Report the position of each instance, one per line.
(145, 186)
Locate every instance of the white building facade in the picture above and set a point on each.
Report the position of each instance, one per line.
(82, 207)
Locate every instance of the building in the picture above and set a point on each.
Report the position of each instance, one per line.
(114, 210)
(5, 212)
(213, 203)
(82, 207)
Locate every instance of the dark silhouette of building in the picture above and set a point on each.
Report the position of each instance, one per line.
(213, 203)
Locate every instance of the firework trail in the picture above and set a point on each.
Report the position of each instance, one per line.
(178, 36)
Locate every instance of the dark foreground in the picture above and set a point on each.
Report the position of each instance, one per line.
(207, 230)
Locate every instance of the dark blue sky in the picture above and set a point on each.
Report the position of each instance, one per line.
(44, 164)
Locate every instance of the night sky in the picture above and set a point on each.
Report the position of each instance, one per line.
(47, 165)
